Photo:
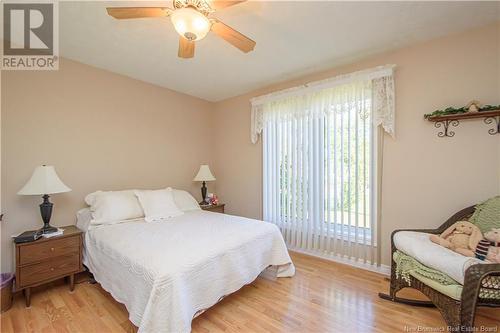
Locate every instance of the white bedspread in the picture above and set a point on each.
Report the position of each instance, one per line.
(165, 272)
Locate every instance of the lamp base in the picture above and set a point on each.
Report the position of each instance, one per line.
(204, 202)
(46, 212)
(48, 229)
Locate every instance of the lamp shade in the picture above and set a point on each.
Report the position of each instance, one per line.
(204, 174)
(44, 180)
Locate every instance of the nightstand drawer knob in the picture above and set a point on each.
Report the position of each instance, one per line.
(52, 268)
(52, 249)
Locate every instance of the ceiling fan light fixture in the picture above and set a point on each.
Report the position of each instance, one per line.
(190, 23)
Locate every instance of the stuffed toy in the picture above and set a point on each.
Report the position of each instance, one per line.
(493, 237)
(214, 200)
(474, 106)
(482, 249)
(461, 237)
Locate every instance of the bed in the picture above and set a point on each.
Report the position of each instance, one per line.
(168, 272)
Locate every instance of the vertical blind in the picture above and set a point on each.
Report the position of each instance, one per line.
(319, 170)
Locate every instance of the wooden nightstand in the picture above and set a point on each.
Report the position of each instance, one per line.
(214, 208)
(49, 259)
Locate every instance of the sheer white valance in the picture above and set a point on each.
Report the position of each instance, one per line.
(377, 84)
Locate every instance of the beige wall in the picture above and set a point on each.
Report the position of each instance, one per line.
(101, 131)
(426, 178)
(105, 131)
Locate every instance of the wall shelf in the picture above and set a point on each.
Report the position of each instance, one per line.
(453, 120)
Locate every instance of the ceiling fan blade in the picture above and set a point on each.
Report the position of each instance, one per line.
(186, 48)
(138, 12)
(219, 4)
(233, 37)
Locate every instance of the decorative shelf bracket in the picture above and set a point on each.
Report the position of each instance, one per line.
(446, 125)
(491, 117)
(489, 121)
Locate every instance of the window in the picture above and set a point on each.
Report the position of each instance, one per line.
(319, 168)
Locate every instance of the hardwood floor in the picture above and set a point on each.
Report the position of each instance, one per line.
(322, 297)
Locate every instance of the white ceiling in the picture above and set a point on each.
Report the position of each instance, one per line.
(293, 39)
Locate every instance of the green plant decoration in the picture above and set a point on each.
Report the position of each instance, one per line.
(452, 110)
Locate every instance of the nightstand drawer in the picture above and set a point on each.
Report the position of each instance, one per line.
(36, 252)
(217, 209)
(214, 208)
(36, 273)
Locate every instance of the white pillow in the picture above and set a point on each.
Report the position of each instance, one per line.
(185, 201)
(113, 206)
(83, 218)
(158, 204)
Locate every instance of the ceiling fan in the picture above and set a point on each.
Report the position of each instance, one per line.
(192, 20)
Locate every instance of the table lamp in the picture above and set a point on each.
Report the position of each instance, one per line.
(44, 181)
(204, 175)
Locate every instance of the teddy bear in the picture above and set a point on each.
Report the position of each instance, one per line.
(461, 237)
(493, 236)
(474, 106)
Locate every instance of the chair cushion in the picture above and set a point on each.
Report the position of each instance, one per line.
(406, 266)
(419, 246)
(487, 215)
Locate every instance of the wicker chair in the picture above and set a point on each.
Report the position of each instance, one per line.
(459, 314)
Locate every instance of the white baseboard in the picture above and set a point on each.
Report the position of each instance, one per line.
(381, 269)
